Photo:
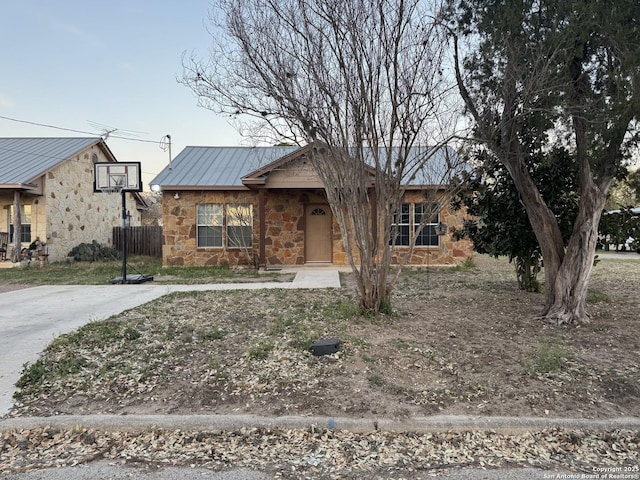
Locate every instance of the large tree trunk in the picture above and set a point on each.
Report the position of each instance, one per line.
(567, 296)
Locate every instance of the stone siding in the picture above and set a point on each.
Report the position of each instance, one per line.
(179, 229)
(74, 213)
(285, 231)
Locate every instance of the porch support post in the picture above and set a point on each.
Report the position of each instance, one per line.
(262, 222)
(17, 227)
(373, 201)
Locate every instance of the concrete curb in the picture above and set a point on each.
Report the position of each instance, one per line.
(440, 423)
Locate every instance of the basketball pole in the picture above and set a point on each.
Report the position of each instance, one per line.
(124, 236)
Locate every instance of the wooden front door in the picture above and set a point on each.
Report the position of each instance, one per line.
(318, 233)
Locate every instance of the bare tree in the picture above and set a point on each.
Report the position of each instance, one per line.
(360, 81)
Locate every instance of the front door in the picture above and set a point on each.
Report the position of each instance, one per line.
(318, 233)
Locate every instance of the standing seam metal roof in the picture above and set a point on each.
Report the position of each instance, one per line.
(24, 159)
(217, 166)
(226, 166)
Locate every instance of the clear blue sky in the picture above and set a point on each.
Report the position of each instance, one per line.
(70, 62)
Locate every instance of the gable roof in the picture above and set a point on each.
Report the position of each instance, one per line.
(22, 160)
(217, 166)
(238, 167)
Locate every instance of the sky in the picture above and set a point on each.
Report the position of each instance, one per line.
(97, 65)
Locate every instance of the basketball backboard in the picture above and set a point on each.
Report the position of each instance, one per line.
(117, 176)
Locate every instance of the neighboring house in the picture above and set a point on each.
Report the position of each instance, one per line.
(267, 206)
(54, 180)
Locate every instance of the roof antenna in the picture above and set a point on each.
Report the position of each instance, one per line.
(165, 144)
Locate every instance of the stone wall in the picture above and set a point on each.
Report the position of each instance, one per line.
(69, 212)
(284, 214)
(73, 213)
(179, 229)
(285, 231)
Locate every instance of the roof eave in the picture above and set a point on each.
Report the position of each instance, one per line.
(180, 188)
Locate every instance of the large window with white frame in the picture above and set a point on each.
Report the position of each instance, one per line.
(220, 224)
(406, 225)
(209, 225)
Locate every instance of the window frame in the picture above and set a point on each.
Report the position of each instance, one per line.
(429, 229)
(220, 225)
(410, 218)
(211, 226)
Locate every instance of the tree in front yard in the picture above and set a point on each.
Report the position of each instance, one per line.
(557, 73)
(361, 83)
(498, 224)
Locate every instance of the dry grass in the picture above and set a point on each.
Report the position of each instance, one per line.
(461, 341)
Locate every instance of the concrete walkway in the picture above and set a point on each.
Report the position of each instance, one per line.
(32, 317)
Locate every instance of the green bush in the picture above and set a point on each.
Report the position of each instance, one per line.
(93, 252)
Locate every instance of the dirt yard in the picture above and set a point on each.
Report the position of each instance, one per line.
(461, 341)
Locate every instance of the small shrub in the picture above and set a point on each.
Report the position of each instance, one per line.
(549, 357)
(212, 334)
(92, 252)
(32, 374)
(260, 349)
(597, 296)
(131, 334)
(468, 264)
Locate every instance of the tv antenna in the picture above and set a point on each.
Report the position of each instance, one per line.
(108, 130)
(165, 144)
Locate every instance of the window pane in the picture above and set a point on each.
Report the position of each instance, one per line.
(422, 209)
(209, 225)
(427, 237)
(25, 221)
(400, 226)
(240, 214)
(239, 236)
(209, 214)
(239, 225)
(209, 236)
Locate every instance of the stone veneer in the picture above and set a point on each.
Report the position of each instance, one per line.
(69, 212)
(284, 219)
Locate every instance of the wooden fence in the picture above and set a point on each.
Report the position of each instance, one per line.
(143, 240)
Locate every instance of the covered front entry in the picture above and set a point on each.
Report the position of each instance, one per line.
(318, 233)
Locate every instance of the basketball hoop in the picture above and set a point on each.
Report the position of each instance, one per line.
(111, 189)
(123, 178)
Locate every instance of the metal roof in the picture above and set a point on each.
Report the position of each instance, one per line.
(24, 159)
(217, 166)
(226, 166)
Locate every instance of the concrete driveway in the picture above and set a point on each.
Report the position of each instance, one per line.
(31, 318)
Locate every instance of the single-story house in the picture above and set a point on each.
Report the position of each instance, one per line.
(267, 206)
(54, 179)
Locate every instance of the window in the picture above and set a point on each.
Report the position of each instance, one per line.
(406, 224)
(239, 225)
(209, 225)
(219, 224)
(25, 220)
(400, 228)
(428, 237)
